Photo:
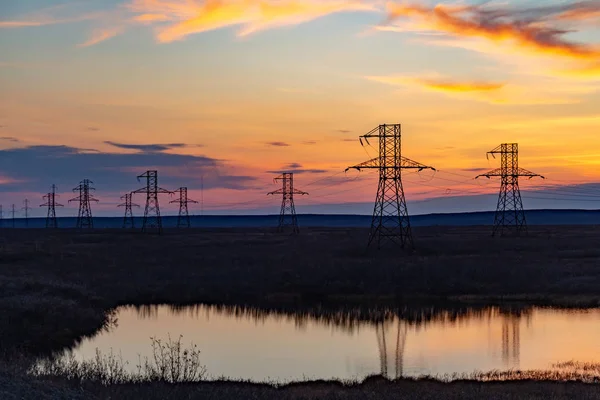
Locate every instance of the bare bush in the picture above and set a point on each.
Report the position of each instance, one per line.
(170, 362)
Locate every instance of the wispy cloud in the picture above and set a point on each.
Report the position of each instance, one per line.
(151, 148)
(519, 30)
(297, 169)
(177, 19)
(100, 35)
(536, 29)
(190, 17)
(278, 144)
(488, 92)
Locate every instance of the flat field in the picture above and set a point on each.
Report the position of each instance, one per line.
(57, 286)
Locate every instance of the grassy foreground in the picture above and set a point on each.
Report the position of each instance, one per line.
(56, 287)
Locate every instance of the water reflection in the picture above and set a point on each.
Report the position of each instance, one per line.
(272, 343)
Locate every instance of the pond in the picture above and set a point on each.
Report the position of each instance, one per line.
(260, 345)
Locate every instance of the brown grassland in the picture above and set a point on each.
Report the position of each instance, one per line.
(59, 286)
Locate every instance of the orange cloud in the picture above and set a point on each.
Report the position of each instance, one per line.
(448, 86)
(487, 92)
(191, 17)
(101, 35)
(529, 28)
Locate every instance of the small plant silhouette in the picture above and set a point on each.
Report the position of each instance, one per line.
(170, 362)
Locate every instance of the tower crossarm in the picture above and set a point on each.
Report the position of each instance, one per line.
(48, 203)
(403, 163)
(296, 191)
(498, 172)
(142, 190)
(158, 190)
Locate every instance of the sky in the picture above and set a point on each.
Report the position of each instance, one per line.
(222, 95)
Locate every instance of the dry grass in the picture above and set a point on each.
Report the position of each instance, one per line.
(57, 287)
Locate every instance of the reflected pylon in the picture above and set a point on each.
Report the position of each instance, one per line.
(511, 340)
(398, 347)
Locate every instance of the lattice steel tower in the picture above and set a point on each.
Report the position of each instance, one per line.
(26, 209)
(84, 217)
(390, 216)
(13, 215)
(51, 204)
(128, 218)
(510, 217)
(183, 220)
(287, 204)
(152, 219)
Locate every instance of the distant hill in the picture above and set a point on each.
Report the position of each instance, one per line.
(534, 217)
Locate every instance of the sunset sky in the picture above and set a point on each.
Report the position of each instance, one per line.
(223, 94)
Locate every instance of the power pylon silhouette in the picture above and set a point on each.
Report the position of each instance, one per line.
(287, 204)
(51, 204)
(183, 220)
(1, 216)
(510, 216)
(84, 217)
(13, 215)
(152, 219)
(390, 216)
(26, 208)
(128, 218)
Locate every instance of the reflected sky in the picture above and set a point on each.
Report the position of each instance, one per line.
(262, 345)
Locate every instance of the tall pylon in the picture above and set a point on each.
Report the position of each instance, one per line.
(390, 221)
(183, 220)
(510, 217)
(26, 209)
(51, 204)
(84, 217)
(287, 203)
(128, 217)
(152, 219)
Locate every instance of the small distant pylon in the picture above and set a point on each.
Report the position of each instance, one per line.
(183, 220)
(390, 216)
(84, 217)
(128, 218)
(152, 219)
(26, 209)
(287, 204)
(1, 216)
(51, 203)
(13, 211)
(510, 216)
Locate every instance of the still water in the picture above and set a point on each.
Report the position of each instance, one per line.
(270, 345)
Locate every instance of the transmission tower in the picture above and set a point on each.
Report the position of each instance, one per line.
(152, 212)
(183, 220)
(510, 216)
(26, 208)
(51, 204)
(1, 216)
(13, 215)
(84, 217)
(287, 204)
(128, 217)
(390, 216)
